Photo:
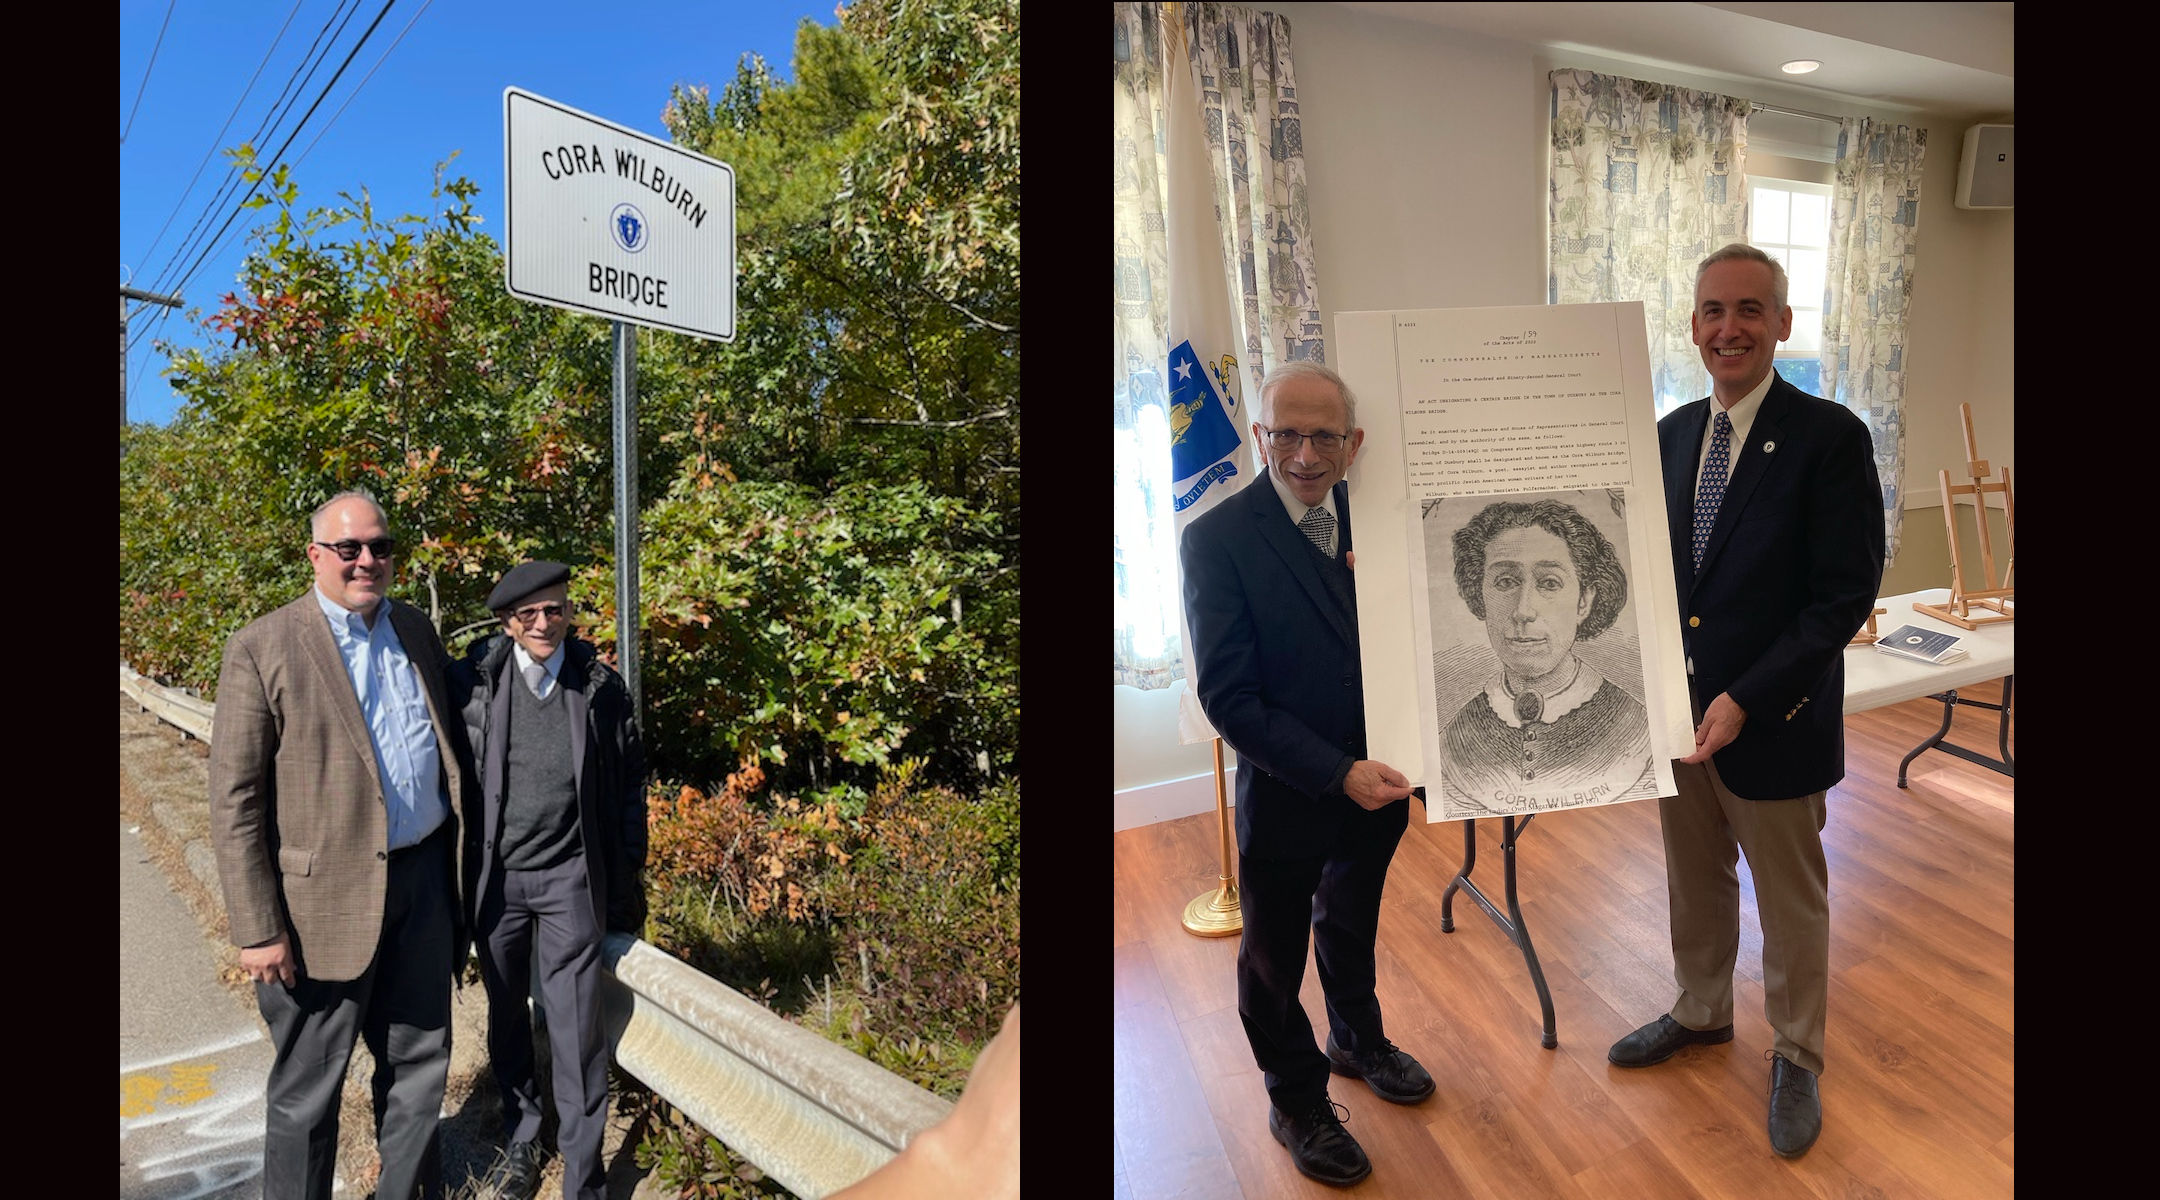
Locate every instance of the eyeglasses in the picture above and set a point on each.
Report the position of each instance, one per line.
(531, 614)
(1287, 440)
(349, 549)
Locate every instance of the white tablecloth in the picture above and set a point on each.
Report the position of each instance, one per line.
(1873, 678)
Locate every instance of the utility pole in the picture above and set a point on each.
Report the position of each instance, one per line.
(126, 294)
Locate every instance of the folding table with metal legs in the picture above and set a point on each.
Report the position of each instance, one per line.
(2004, 765)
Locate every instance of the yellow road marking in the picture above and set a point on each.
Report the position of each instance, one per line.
(170, 1087)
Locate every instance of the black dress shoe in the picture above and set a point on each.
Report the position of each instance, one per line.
(1392, 1074)
(1322, 1149)
(1660, 1040)
(1795, 1107)
(517, 1175)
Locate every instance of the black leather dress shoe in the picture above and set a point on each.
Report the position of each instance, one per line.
(517, 1175)
(1392, 1074)
(1660, 1040)
(1795, 1107)
(1322, 1149)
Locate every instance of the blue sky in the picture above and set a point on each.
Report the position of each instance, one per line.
(438, 91)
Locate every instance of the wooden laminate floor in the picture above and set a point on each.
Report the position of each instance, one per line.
(1917, 1085)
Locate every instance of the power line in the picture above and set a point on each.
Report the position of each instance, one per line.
(349, 97)
(363, 82)
(309, 62)
(225, 187)
(146, 73)
(216, 141)
(271, 167)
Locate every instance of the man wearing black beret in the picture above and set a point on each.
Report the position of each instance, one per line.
(553, 861)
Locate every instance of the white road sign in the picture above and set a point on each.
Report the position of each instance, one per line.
(610, 221)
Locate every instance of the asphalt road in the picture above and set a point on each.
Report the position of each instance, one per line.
(192, 1058)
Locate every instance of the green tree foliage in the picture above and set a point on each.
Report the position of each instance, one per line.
(879, 337)
(824, 631)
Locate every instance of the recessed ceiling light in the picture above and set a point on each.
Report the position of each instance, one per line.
(1800, 66)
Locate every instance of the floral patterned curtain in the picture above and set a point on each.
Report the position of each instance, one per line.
(1256, 146)
(1874, 242)
(1647, 180)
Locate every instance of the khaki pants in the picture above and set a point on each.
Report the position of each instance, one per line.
(1706, 828)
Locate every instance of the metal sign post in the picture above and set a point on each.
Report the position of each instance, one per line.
(605, 220)
(626, 530)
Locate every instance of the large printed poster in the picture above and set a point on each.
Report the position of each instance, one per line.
(1515, 592)
(1537, 665)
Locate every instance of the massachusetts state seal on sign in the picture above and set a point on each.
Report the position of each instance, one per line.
(627, 225)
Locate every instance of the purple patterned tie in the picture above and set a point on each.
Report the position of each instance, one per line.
(1712, 488)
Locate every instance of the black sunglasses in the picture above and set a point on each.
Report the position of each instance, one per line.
(531, 614)
(349, 549)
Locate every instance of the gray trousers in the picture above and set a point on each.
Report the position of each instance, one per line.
(543, 921)
(401, 1007)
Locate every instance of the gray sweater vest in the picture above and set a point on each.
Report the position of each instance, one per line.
(540, 817)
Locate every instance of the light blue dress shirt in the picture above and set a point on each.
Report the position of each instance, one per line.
(389, 689)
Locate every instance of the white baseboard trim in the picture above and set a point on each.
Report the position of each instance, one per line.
(1171, 800)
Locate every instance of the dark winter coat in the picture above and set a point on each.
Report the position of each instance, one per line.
(610, 765)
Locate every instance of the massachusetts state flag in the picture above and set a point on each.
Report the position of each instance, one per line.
(1203, 441)
(1208, 459)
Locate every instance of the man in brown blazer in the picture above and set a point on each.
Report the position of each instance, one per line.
(336, 766)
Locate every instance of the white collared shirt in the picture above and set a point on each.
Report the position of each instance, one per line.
(1742, 415)
(1566, 700)
(552, 665)
(1298, 508)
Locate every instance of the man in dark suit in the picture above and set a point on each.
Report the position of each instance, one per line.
(553, 858)
(333, 763)
(1273, 621)
(1777, 535)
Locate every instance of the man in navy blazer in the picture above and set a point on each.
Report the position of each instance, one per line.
(1776, 520)
(1273, 620)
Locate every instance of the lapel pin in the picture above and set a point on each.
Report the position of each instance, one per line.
(1767, 447)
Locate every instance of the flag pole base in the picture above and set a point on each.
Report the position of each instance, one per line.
(1216, 913)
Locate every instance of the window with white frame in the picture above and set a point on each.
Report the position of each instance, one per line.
(1789, 219)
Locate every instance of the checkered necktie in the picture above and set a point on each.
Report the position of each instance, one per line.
(1712, 488)
(1319, 525)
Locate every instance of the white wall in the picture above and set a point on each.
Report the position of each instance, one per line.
(1960, 342)
(1426, 156)
(1147, 750)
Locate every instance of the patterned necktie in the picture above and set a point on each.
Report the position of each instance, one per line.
(1712, 488)
(1319, 525)
(534, 673)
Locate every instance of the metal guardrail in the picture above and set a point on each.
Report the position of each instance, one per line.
(189, 714)
(811, 1114)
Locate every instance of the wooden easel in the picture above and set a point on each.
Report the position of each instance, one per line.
(1993, 604)
(1868, 636)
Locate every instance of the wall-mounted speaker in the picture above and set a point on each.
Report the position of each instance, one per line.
(1984, 177)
